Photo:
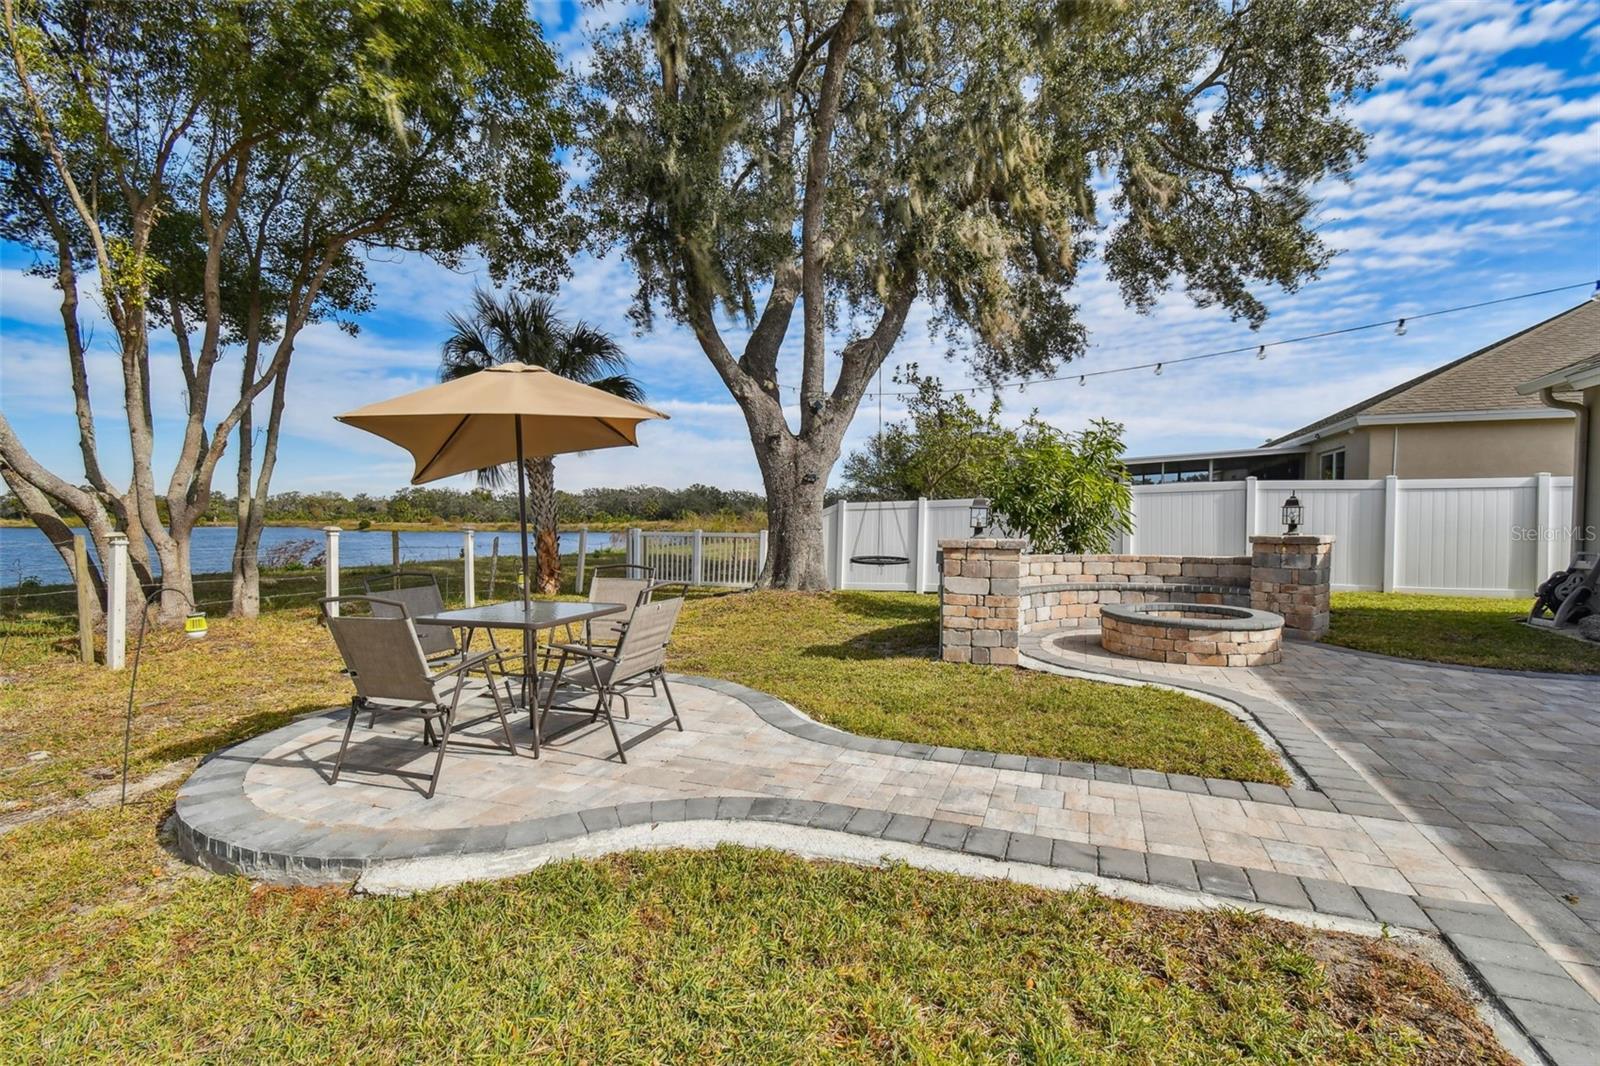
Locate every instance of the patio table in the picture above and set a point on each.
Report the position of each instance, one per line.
(529, 617)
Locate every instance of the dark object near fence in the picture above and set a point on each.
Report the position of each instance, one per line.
(1568, 595)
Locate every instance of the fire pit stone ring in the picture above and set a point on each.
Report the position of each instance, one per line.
(1194, 634)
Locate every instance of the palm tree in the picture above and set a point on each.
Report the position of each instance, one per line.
(520, 328)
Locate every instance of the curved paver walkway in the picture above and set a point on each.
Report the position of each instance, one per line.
(1458, 754)
(268, 800)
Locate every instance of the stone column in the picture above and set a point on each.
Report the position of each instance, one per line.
(1292, 575)
(980, 615)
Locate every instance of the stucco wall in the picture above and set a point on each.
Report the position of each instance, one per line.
(1470, 449)
(1512, 448)
(1356, 462)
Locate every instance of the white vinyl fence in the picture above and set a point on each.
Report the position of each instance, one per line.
(726, 560)
(890, 545)
(1464, 536)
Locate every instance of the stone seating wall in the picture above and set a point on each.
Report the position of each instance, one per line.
(992, 590)
(1066, 591)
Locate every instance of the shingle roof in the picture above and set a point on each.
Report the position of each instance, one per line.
(1487, 379)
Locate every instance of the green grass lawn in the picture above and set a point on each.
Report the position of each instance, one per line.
(114, 951)
(1467, 630)
(860, 661)
(864, 662)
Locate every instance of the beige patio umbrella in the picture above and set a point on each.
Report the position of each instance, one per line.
(501, 414)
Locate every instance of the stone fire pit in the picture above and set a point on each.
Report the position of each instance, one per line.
(1199, 634)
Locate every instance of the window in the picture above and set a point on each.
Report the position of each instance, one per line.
(1332, 465)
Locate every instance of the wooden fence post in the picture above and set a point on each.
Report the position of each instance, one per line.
(469, 567)
(117, 602)
(394, 548)
(494, 564)
(583, 555)
(86, 601)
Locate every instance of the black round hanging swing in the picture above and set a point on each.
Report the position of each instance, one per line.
(880, 559)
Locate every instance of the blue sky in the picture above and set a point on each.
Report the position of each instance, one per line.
(1481, 182)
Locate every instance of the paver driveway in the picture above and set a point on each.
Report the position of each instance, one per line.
(1501, 771)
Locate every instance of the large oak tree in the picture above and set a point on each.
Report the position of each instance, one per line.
(847, 158)
(219, 169)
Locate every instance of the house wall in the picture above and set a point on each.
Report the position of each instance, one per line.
(1356, 447)
(1467, 449)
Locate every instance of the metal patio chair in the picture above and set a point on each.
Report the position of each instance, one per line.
(419, 599)
(638, 661)
(625, 583)
(384, 657)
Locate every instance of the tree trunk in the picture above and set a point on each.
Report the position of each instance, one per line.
(542, 517)
(253, 504)
(795, 558)
(246, 601)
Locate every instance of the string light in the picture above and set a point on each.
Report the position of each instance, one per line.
(1158, 370)
(1400, 324)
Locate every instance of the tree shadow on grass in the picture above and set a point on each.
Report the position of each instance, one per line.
(918, 640)
(232, 733)
(879, 605)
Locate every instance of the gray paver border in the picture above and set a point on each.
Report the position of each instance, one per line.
(217, 827)
(1497, 671)
(1336, 784)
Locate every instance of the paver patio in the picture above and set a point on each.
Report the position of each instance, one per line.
(1494, 778)
(728, 750)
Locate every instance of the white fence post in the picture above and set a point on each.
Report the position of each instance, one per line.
(1252, 510)
(922, 548)
(842, 557)
(117, 602)
(1391, 532)
(1544, 548)
(469, 568)
(635, 547)
(761, 552)
(583, 556)
(697, 559)
(330, 567)
(1130, 539)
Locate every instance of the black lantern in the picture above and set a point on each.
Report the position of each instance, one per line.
(980, 515)
(1292, 513)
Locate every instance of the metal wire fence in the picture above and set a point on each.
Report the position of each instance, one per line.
(293, 576)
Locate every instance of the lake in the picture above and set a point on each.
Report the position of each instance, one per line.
(25, 553)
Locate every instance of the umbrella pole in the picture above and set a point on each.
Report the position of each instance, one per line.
(522, 513)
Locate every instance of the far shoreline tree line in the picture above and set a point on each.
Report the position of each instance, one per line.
(426, 505)
(756, 164)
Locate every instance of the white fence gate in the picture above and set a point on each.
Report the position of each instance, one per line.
(1461, 536)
